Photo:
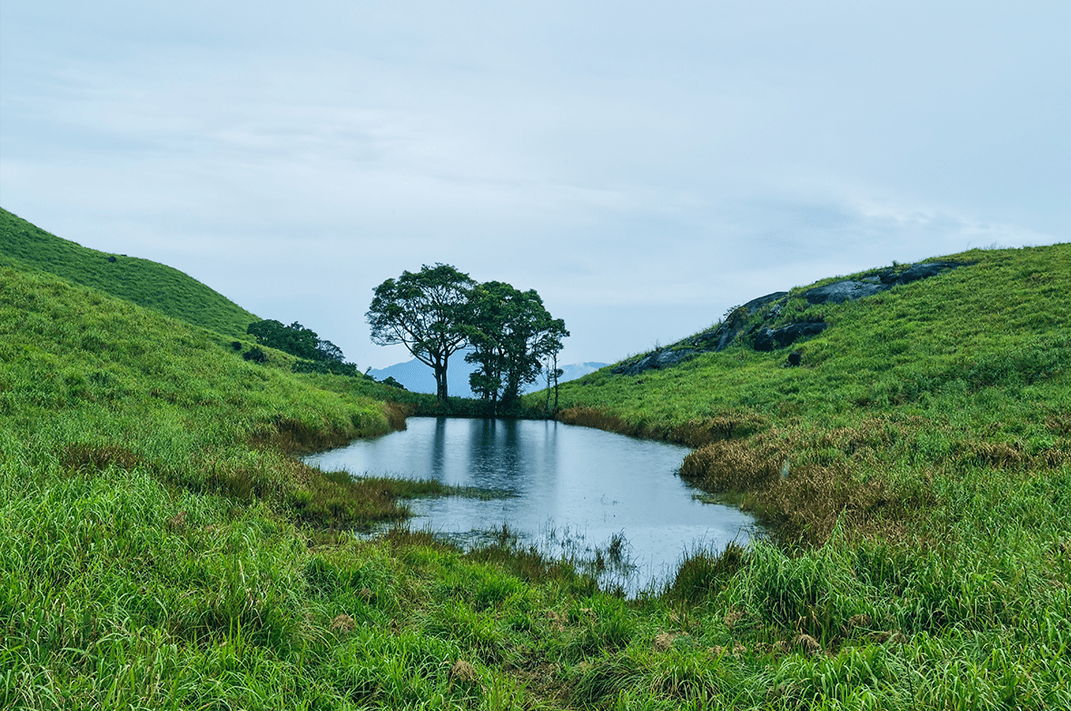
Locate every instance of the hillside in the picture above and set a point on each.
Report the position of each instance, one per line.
(968, 368)
(161, 548)
(139, 281)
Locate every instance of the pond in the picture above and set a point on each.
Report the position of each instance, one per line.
(568, 490)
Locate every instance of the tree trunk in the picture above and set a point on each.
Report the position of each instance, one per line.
(546, 407)
(556, 372)
(441, 390)
(440, 386)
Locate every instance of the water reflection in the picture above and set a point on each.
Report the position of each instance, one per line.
(574, 488)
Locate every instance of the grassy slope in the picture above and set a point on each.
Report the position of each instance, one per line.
(1001, 321)
(927, 490)
(965, 371)
(159, 550)
(140, 281)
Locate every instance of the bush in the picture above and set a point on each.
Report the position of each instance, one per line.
(732, 466)
(255, 355)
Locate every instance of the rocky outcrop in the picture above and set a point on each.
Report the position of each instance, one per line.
(714, 339)
(740, 321)
(841, 291)
(661, 358)
(768, 339)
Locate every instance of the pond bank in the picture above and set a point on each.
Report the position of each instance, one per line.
(573, 491)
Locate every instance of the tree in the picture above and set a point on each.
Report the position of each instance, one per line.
(511, 333)
(553, 373)
(326, 350)
(294, 339)
(426, 312)
(318, 354)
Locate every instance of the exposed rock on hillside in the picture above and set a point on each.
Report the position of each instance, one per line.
(768, 339)
(841, 291)
(715, 339)
(741, 320)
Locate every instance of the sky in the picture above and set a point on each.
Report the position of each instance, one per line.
(643, 166)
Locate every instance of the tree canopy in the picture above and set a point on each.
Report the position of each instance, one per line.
(439, 310)
(294, 339)
(318, 354)
(510, 332)
(426, 312)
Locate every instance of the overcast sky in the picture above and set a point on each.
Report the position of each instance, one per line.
(644, 166)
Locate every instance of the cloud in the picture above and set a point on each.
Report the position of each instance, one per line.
(643, 167)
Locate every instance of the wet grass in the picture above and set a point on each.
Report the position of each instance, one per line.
(160, 548)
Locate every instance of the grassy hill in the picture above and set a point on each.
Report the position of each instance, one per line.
(161, 548)
(155, 532)
(140, 281)
(967, 371)
(916, 468)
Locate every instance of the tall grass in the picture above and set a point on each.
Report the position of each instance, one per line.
(159, 548)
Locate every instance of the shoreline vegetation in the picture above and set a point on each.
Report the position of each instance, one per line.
(161, 547)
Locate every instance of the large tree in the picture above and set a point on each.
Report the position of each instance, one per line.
(510, 332)
(426, 312)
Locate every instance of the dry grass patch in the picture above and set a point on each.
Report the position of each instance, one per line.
(694, 433)
(733, 466)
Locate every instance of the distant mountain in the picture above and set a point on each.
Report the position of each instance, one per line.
(420, 378)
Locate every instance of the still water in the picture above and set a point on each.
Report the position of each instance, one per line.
(571, 490)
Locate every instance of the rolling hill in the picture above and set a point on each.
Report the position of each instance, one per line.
(139, 281)
(909, 451)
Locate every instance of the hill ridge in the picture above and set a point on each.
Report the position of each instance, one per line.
(140, 281)
(761, 321)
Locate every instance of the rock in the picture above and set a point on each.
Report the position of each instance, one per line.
(842, 291)
(731, 331)
(738, 320)
(924, 271)
(794, 358)
(884, 280)
(656, 361)
(768, 339)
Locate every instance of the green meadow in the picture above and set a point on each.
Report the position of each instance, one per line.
(162, 548)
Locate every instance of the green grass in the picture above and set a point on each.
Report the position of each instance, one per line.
(906, 393)
(917, 471)
(140, 281)
(161, 548)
